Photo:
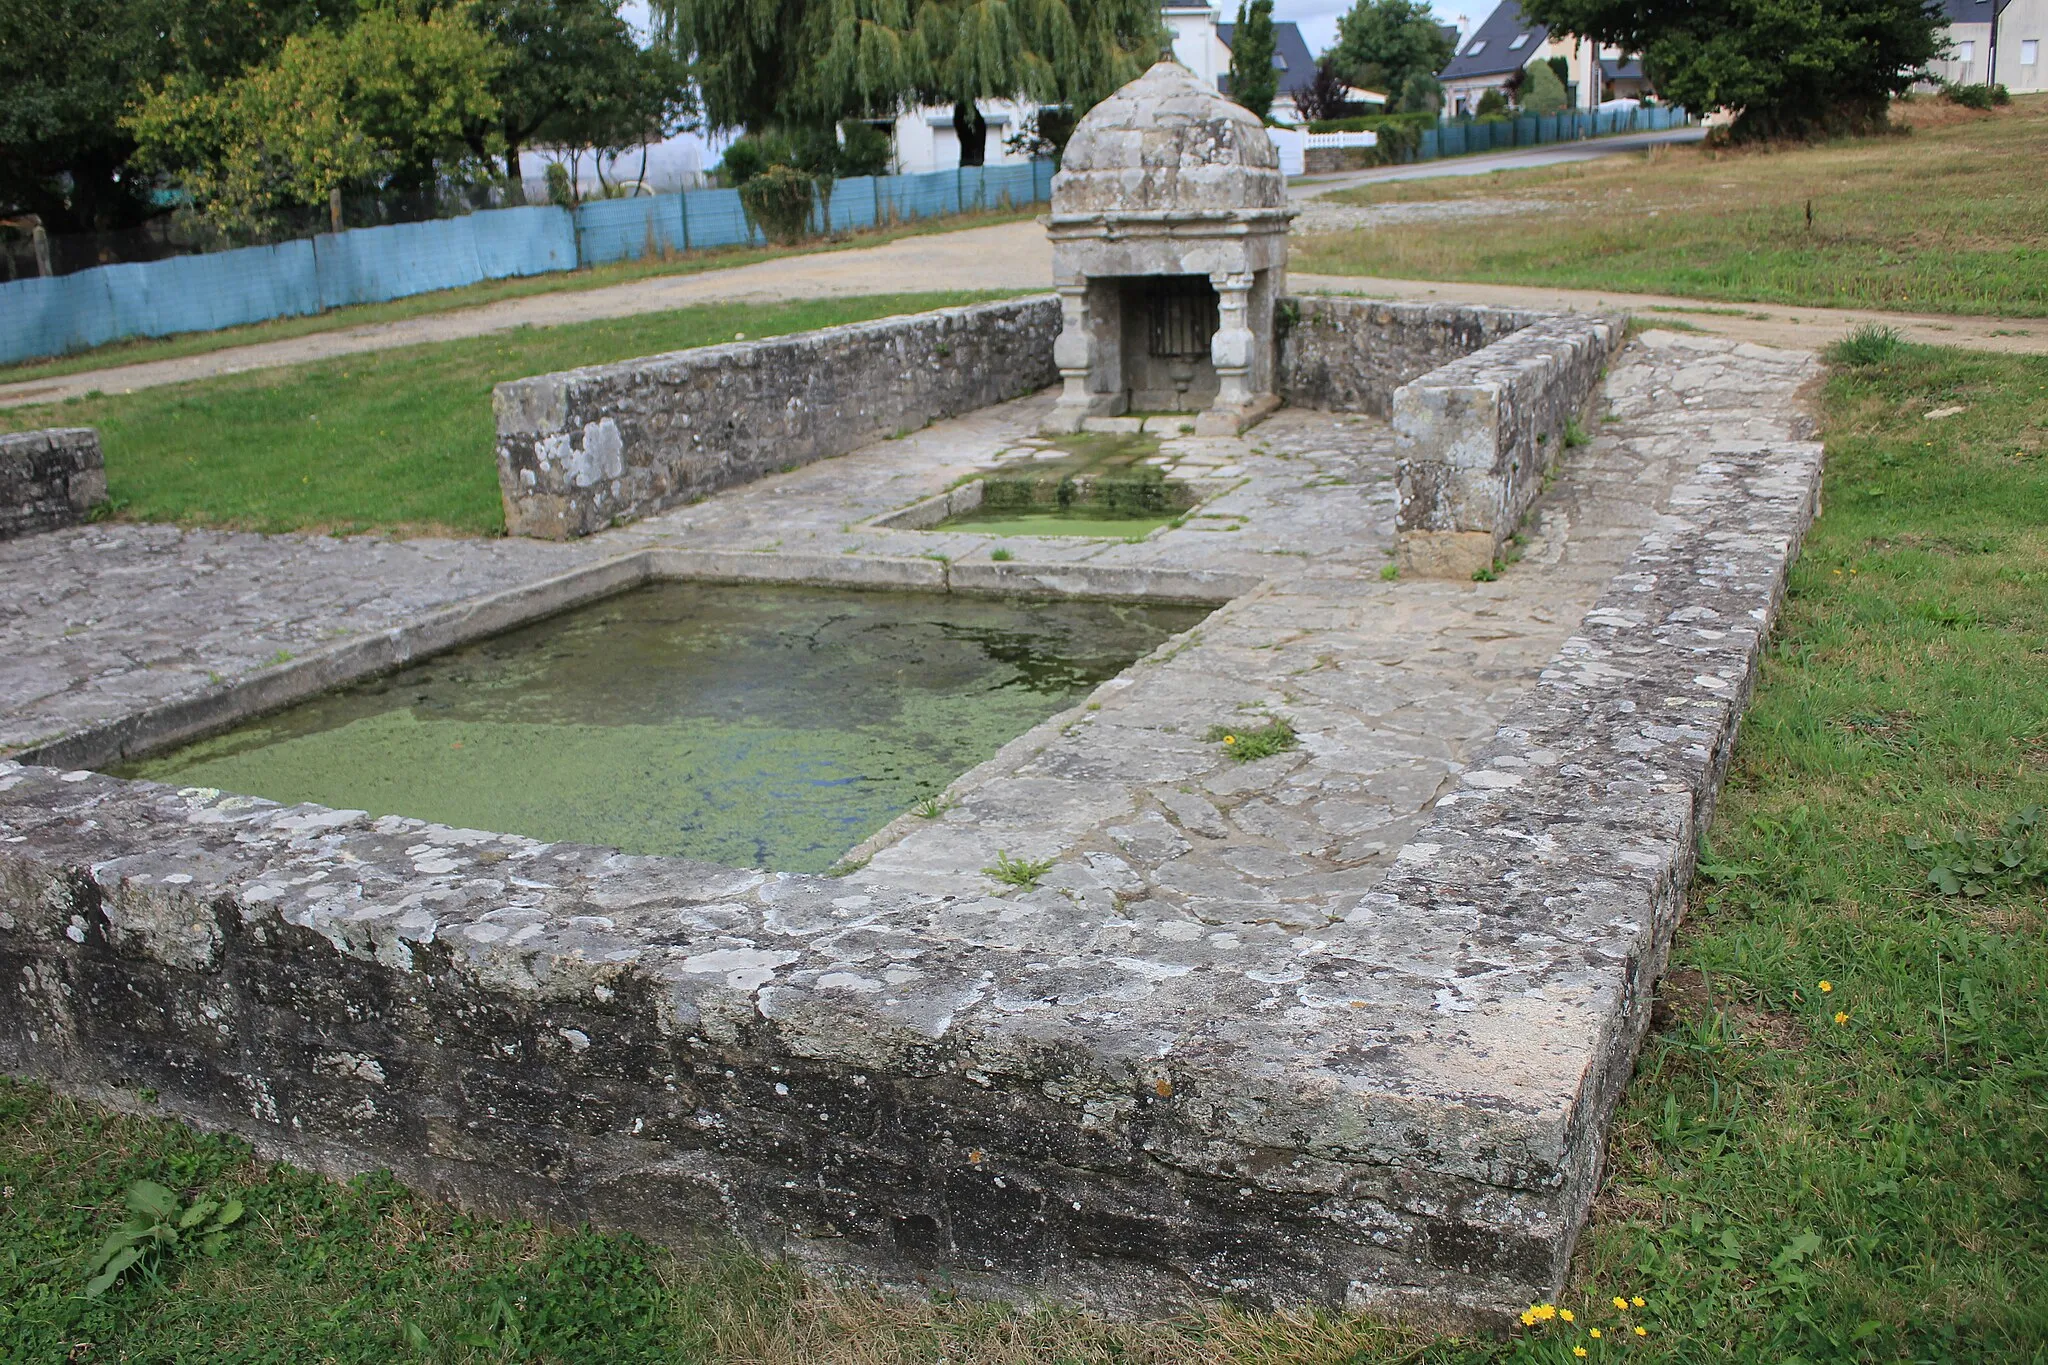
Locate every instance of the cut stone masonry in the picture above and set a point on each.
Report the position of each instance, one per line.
(49, 479)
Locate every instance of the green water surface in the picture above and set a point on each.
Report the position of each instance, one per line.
(754, 727)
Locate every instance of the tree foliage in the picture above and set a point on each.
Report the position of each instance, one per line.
(572, 74)
(1252, 81)
(387, 99)
(1382, 44)
(70, 69)
(809, 63)
(1790, 68)
(1542, 92)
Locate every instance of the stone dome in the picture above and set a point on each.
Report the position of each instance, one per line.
(1168, 143)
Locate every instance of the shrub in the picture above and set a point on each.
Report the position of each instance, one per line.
(1976, 96)
(1492, 104)
(561, 190)
(778, 202)
(751, 155)
(1870, 344)
(864, 149)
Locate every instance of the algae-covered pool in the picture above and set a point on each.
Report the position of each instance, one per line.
(754, 727)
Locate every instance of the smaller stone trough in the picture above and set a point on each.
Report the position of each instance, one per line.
(1482, 399)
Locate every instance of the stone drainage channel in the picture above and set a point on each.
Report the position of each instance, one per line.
(1341, 1025)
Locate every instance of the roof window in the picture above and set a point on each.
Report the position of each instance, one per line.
(1478, 46)
(1521, 41)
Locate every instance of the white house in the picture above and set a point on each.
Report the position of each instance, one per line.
(925, 140)
(2021, 26)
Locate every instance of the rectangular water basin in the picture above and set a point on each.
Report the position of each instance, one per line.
(766, 727)
(1109, 486)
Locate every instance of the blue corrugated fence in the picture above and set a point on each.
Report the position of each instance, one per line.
(42, 317)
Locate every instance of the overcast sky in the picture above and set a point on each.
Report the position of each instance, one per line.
(1318, 18)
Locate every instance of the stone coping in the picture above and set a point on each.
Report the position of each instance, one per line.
(49, 479)
(1305, 1075)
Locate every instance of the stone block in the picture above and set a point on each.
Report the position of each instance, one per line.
(49, 479)
(1479, 434)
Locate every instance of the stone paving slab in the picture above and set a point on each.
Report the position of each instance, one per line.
(1342, 1025)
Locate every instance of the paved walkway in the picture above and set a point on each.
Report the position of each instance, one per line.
(1554, 154)
(1017, 256)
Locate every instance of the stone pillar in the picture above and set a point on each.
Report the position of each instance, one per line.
(1073, 351)
(1231, 348)
(1234, 351)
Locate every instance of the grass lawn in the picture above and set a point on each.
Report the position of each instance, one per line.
(1849, 1171)
(399, 441)
(1952, 218)
(136, 350)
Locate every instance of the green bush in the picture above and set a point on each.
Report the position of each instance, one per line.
(1400, 134)
(1492, 104)
(778, 202)
(1976, 96)
(863, 149)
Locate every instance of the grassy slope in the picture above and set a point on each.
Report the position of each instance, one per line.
(1952, 218)
(139, 349)
(386, 440)
(1782, 1187)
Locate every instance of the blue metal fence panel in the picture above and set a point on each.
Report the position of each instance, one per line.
(375, 265)
(715, 218)
(852, 206)
(527, 241)
(207, 293)
(1010, 186)
(628, 229)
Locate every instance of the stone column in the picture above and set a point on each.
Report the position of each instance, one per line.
(1073, 351)
(1231, 348)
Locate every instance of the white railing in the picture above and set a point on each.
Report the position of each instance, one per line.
(1343, 140)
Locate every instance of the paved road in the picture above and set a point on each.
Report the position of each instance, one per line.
(1553, 154)
(1017, 256)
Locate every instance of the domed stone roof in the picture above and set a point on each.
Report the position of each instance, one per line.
(1168, 142)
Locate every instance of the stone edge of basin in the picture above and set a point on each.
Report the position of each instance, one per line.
(49, 479)
(689, 1049)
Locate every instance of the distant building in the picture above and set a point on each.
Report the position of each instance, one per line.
(1508, 40)
(925, 140)
(2022, 24)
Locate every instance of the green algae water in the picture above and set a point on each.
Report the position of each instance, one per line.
(754, 727)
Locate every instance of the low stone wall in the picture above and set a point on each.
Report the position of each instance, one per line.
(1349, 355)
(583, 449)
(1478, 435)
(49, 479)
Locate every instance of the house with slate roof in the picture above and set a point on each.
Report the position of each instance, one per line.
(1509, 40)
(2022, 24)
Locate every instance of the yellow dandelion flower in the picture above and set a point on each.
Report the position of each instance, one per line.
(1637, 1300)
(1528, 1319)
(1230, 739)
(1593, 1332)
(1621, 1303)
(1578, 1351)
(1642, 1331)
(1565, 1313)
(1841, 1017)
(1826, 986)
(1543, 1312)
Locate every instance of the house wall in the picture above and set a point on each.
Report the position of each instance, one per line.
(2022, 22)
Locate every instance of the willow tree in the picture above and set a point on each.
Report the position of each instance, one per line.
(810, 63)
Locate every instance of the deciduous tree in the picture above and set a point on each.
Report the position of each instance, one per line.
(1252, 81)
(572, 70)
(809, 63)
(385, 101)
(1382, 43)
(1789, 68)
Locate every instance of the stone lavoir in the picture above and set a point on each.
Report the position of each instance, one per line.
(1115, 1017)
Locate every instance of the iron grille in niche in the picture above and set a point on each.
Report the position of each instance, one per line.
(1182, 311)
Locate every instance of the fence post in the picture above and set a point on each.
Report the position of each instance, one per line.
(40, 240)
